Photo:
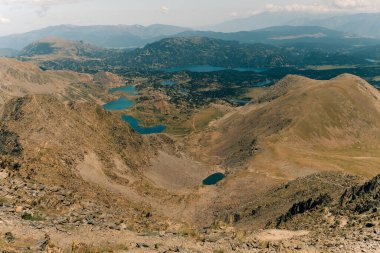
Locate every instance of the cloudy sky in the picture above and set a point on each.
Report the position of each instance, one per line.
(23, 15)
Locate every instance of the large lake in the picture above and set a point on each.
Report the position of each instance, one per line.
(209, 68)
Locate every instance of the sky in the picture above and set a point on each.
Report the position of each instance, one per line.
(17, 16)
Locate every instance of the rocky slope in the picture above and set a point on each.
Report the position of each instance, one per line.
(317, 224)
(24, 78)
(71, 147)
(59, 136)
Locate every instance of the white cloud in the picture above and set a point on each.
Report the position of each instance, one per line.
(234, 14)
(327, 6)
(41, 6)
(35, 2)
(297, 8)
(357, 5)
(352, 4)
(164, 9)
(4, 20)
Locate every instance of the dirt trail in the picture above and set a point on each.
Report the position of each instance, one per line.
(280, 235)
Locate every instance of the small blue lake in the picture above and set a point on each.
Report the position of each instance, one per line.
(168, 83)
(214, 179)
(135, 124)
(118, 105)
(209, 68)
(127, 89)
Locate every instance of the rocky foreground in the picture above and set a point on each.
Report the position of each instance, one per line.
(348, 223)
(28, 236)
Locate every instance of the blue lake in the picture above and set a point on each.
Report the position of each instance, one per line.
(257, 70)
(168, 83)
(214, 179)
(127, 89)
(124, 103)
(209, 68)
(135, 124)
(118, 105)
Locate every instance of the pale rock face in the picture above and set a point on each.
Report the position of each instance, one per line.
(3, 175)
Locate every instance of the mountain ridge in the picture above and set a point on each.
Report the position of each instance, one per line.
(324, 124)
(363, 24)
(288, 34)
(114, 36)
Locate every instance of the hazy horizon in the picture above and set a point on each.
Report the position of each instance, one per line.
(17, 16)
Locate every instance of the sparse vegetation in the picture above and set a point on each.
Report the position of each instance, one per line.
(9, 237)
(189, 232)
(32, 217)
(83, 248)
(3, 200)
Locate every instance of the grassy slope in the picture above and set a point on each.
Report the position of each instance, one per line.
(305, 126)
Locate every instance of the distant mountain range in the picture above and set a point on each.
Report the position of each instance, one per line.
(361, 24)
(269, 28)
(309, 36)
(280, 46)
(54, 53)
(364, 24)
(287, 35)
(263, 20)
(119, 36)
